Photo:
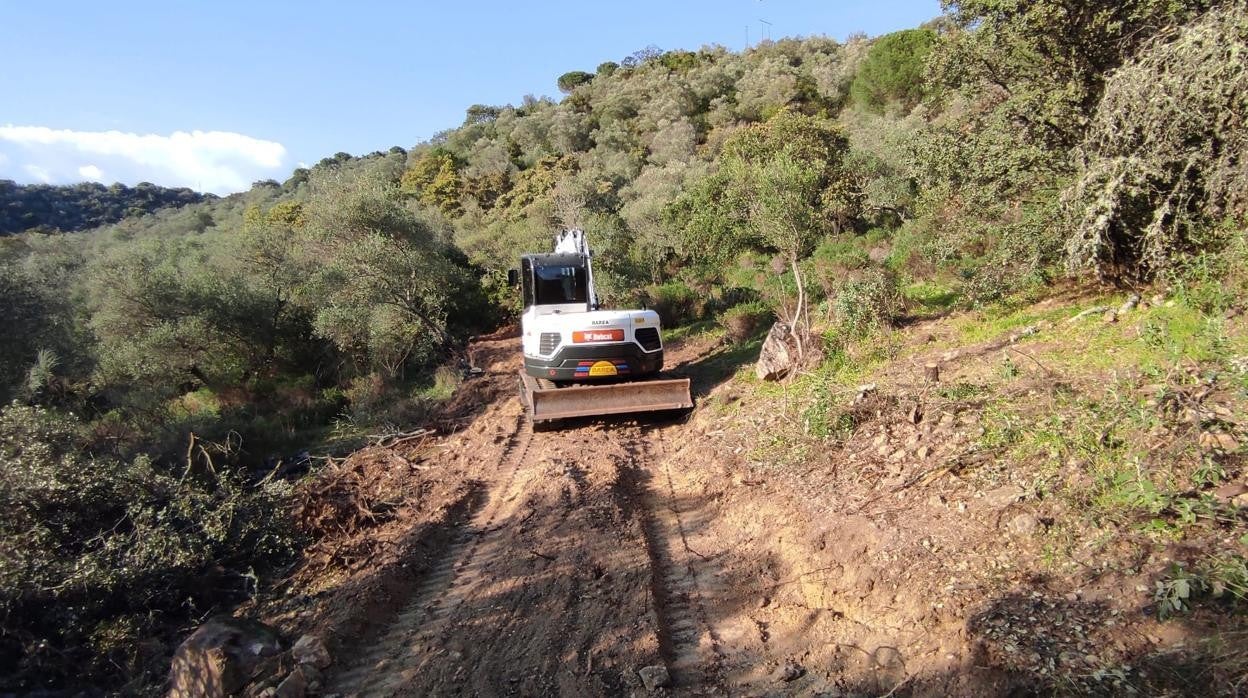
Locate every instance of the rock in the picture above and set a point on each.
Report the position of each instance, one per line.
(1110, 317)
(777, 358)
(789, 671)
(312, 677)
(654, 677)
(1228, 492)
(1129, 304)
(220, 658)
(1227, 442)
(295, 686)
(888, 658)
(1023, 524)
(311, 649)
(1003, 496)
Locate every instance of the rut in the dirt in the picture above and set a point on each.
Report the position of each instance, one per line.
(687, 640)
(386, 666)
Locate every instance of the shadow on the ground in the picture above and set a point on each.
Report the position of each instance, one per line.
(718, 364)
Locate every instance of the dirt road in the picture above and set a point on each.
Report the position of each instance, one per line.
(576, 558)
(568, 576)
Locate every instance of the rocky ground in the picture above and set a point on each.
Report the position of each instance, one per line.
(860, 532)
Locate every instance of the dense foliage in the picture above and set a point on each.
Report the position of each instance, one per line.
(81, 206)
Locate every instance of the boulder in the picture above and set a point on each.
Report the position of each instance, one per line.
(311, 649)
(654, 677)
(294, 686)
(778, 356)
(221, 657)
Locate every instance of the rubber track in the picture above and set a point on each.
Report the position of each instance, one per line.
(374, 673)
(687, 640)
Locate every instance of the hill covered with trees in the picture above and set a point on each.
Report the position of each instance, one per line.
(842, 186)
(73, 207)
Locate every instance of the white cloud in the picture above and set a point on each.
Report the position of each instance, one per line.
(217, 161)
(91, 172)
(38, 173)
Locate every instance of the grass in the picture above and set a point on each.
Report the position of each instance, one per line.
(701, 328)
(930, 298)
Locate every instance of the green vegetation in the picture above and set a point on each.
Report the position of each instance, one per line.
(842, 187)
(892, 72)
(49, 208)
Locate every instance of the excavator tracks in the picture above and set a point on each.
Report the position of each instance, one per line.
(391, 663)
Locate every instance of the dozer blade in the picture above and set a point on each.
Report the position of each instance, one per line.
(615, 398)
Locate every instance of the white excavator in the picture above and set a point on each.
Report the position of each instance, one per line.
(581, 360)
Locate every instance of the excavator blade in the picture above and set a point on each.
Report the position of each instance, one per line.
(544, 404)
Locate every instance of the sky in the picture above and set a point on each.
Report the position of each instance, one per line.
(216, 95)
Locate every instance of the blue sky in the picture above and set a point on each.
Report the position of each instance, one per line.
(214, 95)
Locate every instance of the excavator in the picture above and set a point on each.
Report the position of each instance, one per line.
(581, 360)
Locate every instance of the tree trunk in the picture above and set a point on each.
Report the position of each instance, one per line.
(799, 317)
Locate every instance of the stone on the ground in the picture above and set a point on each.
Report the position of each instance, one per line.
(311, 649)
(654, 677)
(311, 676)
(777, 358)
(1003, 496)
(294, 686)
(1230, 491)
(220, 658)
(1023, 524)
(789, 671)
(1129, 304)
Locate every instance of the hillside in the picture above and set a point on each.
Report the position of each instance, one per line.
(70, 208)
(263, 405)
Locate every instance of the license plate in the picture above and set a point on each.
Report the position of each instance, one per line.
(603, 368)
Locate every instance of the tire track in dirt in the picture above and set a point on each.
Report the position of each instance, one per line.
(687, 640)
(390, 662)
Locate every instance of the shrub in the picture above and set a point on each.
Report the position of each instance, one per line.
(1164, 155)
(676, 303)
(99, 555)
(743, 322)
(867, 303)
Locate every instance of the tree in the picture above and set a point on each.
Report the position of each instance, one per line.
(782, 185)
(385, 281)
(893, 70)
(1044, 62)
(434, 179)
(571, 80)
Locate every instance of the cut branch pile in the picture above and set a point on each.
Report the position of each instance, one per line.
(342, 507)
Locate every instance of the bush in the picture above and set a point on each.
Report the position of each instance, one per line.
(745, 321)
(867, 303)
(98, 556)
(676, 303)
(1163, 158)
